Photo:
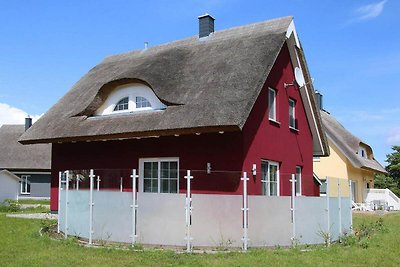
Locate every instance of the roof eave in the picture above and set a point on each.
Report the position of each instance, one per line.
(134, 135)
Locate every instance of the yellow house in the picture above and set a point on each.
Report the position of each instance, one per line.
(351, 163)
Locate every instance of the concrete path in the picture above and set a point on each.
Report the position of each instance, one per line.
(34, 216)
(28, 206)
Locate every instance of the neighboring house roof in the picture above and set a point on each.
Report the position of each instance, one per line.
(208, 85)
(14, 155)
(348, 144)
(10, 174)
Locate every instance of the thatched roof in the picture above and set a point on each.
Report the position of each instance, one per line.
(349, 144)
(208, 85)
(15, 156)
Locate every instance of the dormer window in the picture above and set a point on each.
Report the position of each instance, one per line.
(123, 104)
(130, 98)
(142, 102)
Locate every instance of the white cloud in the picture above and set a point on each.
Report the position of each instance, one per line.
(12, 115)
(370, 11)
(394, 136)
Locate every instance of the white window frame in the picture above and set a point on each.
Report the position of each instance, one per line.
(159, 160)
(298, 180)
(264, 183)
(272, 117)
(25, 180)
(293, 110)
(131, 91)
(121, 110)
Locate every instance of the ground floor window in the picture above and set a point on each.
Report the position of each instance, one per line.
(159, 175)
(298, 180)
(25, 184)
(270, 178)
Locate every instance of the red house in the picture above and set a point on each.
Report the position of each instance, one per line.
(219, 104)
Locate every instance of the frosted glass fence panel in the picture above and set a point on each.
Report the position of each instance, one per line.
(61, 211)
(334, 218)
(161, 219)
(269, 221)
(78, 213)
(346, 215)
(112, 216)
(217, 220)
(311, 219)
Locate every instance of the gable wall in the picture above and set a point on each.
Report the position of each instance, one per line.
(266, 140)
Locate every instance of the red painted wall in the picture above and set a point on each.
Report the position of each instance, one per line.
(268, 140)
(223, 151)
(229, 154)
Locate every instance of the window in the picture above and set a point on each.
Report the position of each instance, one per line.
(122, 104)
(292, 114)
(128, 99)
(322, 188)
(298, 180)
(25, 185)
(270, 178)
(272, 104)
(159, 175)
(142, 102)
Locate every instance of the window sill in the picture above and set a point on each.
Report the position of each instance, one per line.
(293, 129)
(26, 194)
(277, 123)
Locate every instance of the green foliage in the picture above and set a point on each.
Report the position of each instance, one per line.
(392, 179)
(9, 205)
(393, 167)
(18, 235)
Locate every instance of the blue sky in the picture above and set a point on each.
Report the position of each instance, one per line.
(352, 49)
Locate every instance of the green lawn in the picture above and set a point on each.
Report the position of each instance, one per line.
(21, 245)
(34, 201)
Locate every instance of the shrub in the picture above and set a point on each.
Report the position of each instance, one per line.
(9, 205)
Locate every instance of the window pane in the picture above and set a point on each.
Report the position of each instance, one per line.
(273, 173)
(142, 102)
(173, 165)
(154, 170)
(154, 185)
(298, 180)
(272, 104)
(273, 189)
(147, 169)
(164, 186)
(292, 121)
(122, 104)
(173, 186)
(164, 169)
(264, 173)
(147, 185)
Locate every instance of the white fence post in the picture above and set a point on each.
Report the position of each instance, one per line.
(121, 184)
(188, 210)
(98, 182)
(340, 209)
(134, 206)
(293, 209)
(59, 201)
(91, 176)
(245, 211)
(328, 210)
(77, 183)
(66, 203)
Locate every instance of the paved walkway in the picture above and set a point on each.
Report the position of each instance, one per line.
(34, 216)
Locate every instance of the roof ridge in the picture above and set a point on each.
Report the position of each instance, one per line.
(185, 41)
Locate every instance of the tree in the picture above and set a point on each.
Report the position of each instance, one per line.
(392, 179)
(393, 167)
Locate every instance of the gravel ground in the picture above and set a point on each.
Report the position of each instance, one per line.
(34, 216)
